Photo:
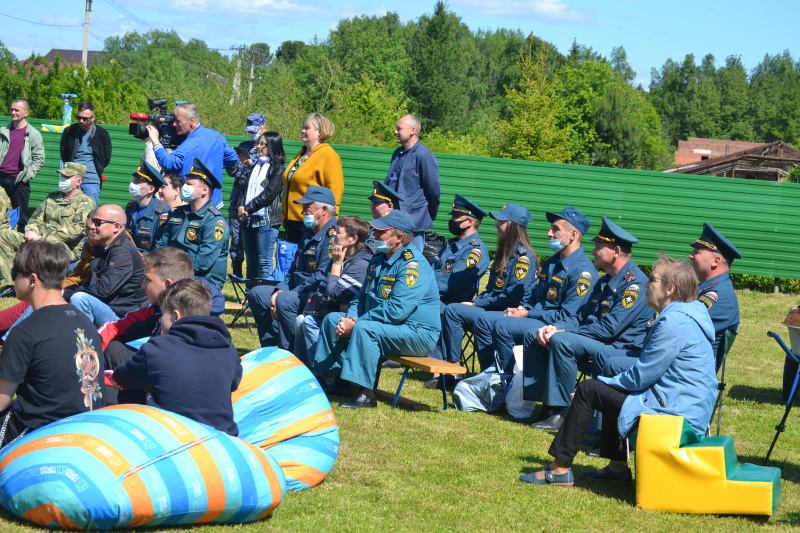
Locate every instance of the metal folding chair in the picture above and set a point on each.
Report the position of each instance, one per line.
(781, 427)
(721, 357)
(241, 305)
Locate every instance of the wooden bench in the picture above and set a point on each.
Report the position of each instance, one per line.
(428, 364)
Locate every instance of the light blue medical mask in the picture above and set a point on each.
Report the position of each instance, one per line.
(556, 246)
(253, 136)
(308, 221)
(382, 246)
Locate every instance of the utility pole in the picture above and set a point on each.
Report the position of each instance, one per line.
(85, 55)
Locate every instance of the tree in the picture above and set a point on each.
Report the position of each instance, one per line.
(619, 62)
(532, 131)
(736, 122)
(775, 90)
(288, 51)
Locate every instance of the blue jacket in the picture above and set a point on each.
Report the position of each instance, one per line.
(312, 260)
(460, 265)
(616, 313)
(208, 146)
(399, 290)
(718, 296)
(512, 285)
(414, 174)
(675, 372)
(563, 287)
(146, 229)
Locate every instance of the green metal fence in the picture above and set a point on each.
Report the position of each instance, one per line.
(665, 211)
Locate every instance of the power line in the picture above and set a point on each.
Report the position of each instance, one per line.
(128, 14)
(43, 24)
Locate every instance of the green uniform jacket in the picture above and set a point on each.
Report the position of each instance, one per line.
(58, 219)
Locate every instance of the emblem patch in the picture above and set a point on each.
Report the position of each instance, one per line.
(386, 291)
(473, 259)
(708, 302)
(145, 243)
(408, 255)
(582, 286)
(629, 298)
(191, 234)
(552, 293)
(629, 276)
(312, 264)
(500, 280)
(586, 274)
(411, 277)
(521, 269)
(448, 266)
(413, 264)
(523, 259)
(331, 231)
(219, 232)
(712, 295)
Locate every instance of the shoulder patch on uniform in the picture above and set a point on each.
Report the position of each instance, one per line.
(413, 264)
(705, 300)
(473, 259)
(583, 285)
(712, 294)
(191, 234)
(523, 259)
(411, 277)
(586, 274)
(408, 254)
(629, 276)
(331, 231)
(521, 268)
(477, 251)
(552, 292)
(500, 280)
(629, 297)
(632, 287)
(475, 242)
(219, 232)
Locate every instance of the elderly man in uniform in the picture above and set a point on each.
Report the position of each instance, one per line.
(396, 313)
(562, 288)
(614, 320)
(275, 308)
(59, 218)
(147, 214)
(199, 228)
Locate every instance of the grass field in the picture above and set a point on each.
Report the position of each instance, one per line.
(456, 471)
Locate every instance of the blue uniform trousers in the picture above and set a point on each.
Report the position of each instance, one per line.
(549, 373)
(509, 331)
(355, 359)
(275, 332)
(611, 361)
(484, 337)
(456, 318)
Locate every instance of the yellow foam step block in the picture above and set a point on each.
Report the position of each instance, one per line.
(676, 471)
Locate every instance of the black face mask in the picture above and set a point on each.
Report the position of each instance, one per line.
(455, 227)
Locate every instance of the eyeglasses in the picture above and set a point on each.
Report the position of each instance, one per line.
(97, 222)
(259, 145)
(653, 279)
(85, 119)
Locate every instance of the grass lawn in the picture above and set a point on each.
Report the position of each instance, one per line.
(456, 471)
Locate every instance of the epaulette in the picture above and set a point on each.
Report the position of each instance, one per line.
(331, 231)
(214, 210)
(475, 242)
(408, 255)
(629, 276)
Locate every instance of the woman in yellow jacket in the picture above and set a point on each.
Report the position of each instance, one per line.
(316, 164)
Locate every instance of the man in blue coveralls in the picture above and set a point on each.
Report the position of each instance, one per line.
(615, 317)
(396, 313)
(199, 228)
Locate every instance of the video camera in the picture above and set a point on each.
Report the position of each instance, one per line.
(161, 121)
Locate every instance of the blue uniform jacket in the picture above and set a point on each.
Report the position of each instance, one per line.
(414, 174)
(563, 287)
(675, 372)
(399, 290)
(512, 285)
(147, 228)
(460, 266)
(203, 234)
(718, 296)
(312, 260)
(616, 312)
(207, 145)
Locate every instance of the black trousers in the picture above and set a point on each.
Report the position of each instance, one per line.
(115, 354)
(20, 195)
(591, 395)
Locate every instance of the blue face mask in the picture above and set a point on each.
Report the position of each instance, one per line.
(556, 246)
(382, 246)
(308, 221)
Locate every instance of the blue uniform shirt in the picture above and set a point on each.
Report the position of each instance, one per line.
(616, 313)
(399, 290)
(312, 260)
(718, 296)
(460, 266)
(564, 286)
(203, 234)
(145, 229)
(207, 145)
(512, 285)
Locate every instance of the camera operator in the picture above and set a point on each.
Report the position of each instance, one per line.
(205, 144)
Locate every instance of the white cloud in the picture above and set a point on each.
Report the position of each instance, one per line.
(554, 10)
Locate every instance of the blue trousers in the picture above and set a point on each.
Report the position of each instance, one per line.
(97, 311)
(355, 359)
(509, 331)
(484, 336)
(549, 373)
(306, 334)
(275, 332)
(610, 362)
(259, 251)
(456, 318)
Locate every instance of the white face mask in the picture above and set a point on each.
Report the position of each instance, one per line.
(135, 190)
(253, 136)
(187, 193)
(65, 184)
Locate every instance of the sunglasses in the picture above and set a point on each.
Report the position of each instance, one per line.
(84, 119)
(97, 222)
(653, 279)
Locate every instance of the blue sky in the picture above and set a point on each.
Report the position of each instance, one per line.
(651, 32)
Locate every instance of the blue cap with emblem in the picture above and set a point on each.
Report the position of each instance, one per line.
(573, 216)
(201, 172)
(317, 193)
(395, 219)
(715, 241)
(384, 193)
(513, 212)
(462, 206)
(148, 173)
(254, 122)
(611, 233)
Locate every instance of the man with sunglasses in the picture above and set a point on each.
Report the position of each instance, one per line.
(114, 287)
(88, 144)
(59, 218)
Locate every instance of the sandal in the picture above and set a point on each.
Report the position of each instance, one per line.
(558, 480)
(607, 475)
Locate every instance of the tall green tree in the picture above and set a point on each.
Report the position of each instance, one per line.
(736, 122)
(532, 131)
(774, 93)
(619, 62)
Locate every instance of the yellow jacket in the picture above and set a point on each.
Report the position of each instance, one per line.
(323, 167)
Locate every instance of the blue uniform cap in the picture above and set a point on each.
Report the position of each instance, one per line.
(513, 212)
(254, 122)
(200, 171)
(613, 234)
(715, 241)
(573, 216)
(462, 206)
(384, 193)
(317, 193)
(395, 219)
(147, 172)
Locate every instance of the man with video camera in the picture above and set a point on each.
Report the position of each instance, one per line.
(205, 144)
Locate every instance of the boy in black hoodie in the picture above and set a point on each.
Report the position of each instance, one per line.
(193, 367)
